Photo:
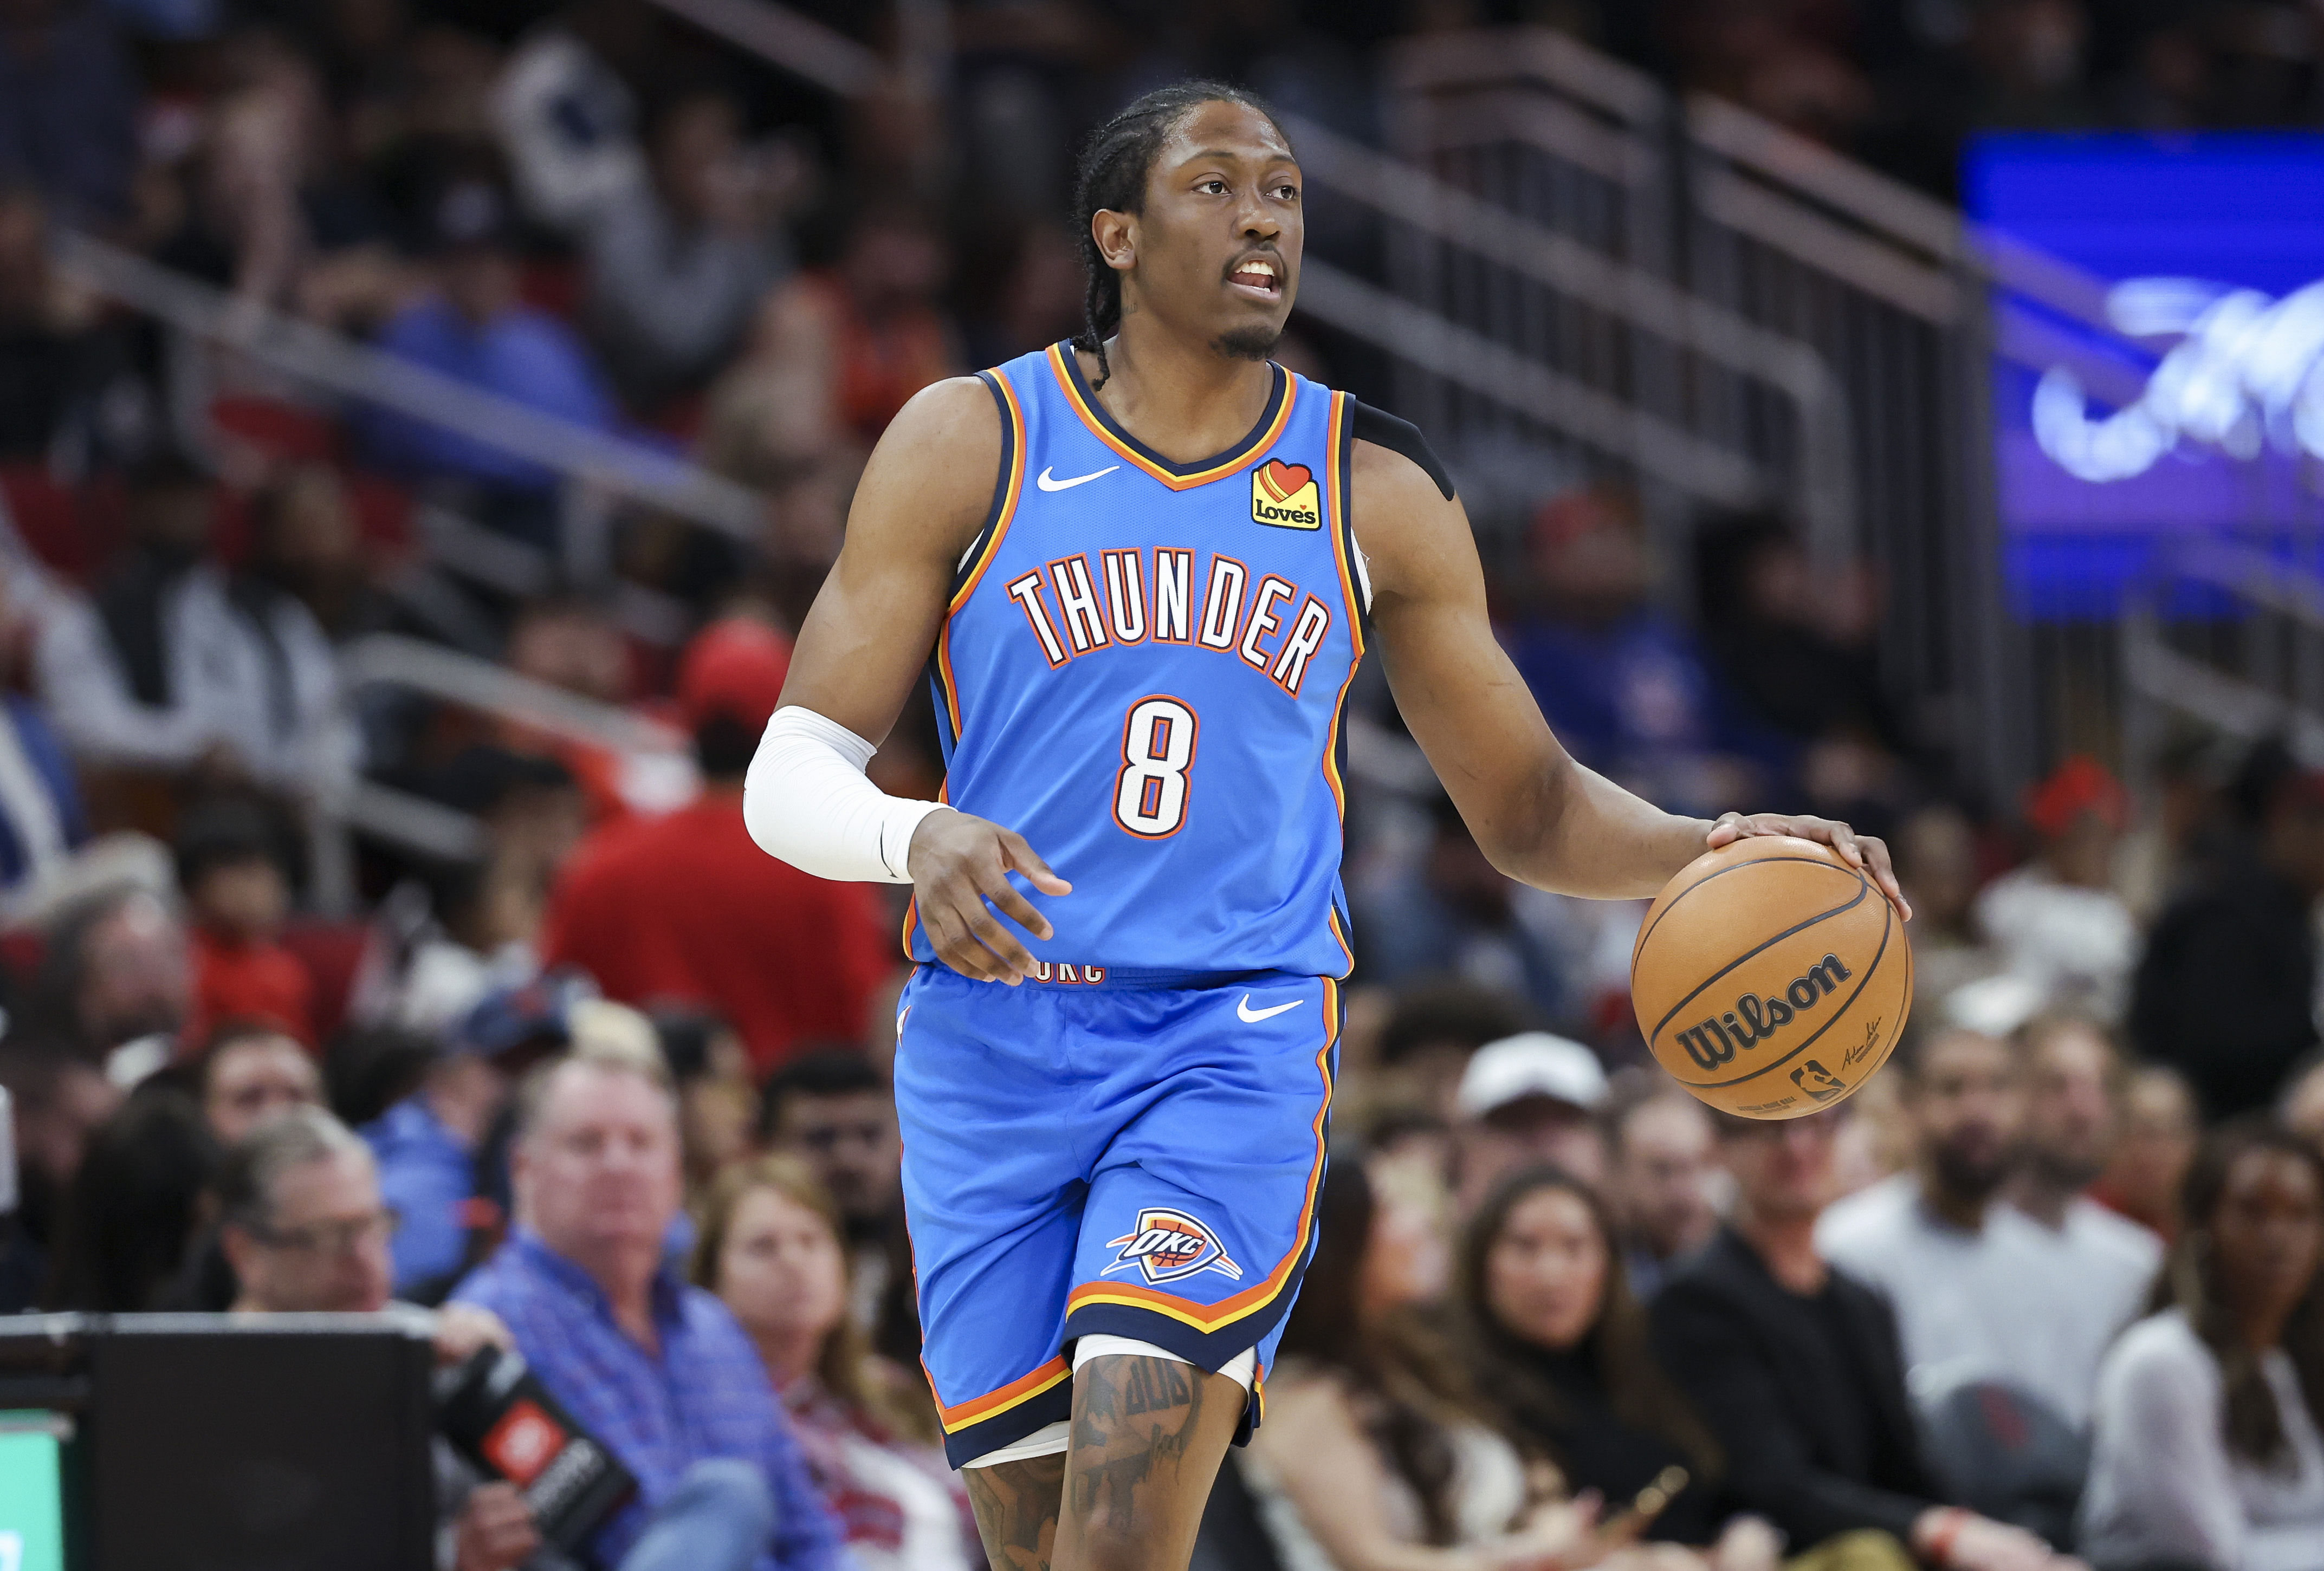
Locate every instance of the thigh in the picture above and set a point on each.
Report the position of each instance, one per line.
(994, 1193)
(1147, 1436)
(1201, 1211)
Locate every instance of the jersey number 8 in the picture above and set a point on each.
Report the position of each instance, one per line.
(1158, 747)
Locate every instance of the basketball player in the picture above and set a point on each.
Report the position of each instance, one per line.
(1140, 569)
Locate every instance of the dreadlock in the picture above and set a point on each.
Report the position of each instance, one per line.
(1111, 178)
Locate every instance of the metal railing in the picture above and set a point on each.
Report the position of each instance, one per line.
(339, 369)
(2224, 639)
(416, 824)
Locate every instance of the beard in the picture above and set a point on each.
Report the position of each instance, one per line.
(1969, 1175)
(1247, 343)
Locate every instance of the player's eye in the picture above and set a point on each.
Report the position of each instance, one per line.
(1215, 186)
(1288, 193)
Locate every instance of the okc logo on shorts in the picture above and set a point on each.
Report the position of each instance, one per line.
(1169, 1244)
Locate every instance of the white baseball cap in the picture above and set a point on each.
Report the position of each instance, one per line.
(1532, 1063)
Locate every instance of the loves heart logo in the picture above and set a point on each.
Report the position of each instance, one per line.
(1284, 495)
(1284, 479)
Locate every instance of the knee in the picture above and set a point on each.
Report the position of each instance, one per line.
(731, 1491)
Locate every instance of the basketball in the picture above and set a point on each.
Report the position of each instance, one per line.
(1770, 977)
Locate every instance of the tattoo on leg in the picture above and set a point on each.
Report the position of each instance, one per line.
(1133, 1421)
(1017, 1506)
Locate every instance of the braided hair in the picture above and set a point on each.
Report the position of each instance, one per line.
(1111, 176)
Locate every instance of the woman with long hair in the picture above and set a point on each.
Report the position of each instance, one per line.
(770, 1246)
(1377, 1454)
(1558, 1343)
(2206, 1452)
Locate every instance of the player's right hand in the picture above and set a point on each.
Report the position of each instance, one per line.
(958, 861)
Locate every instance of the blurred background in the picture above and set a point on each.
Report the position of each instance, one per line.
(423, 427)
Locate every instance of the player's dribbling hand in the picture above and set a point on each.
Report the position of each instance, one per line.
(958, 862)
(1867, 854)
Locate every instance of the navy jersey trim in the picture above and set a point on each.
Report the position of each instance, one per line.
(1004, 482)
(1384, 430)
(1096, 415)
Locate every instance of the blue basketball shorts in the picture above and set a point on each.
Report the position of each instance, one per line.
(1138, 1155)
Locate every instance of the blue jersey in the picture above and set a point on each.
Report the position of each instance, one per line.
(1143, 672)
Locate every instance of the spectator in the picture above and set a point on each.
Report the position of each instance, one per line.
(1525, 1099)
(717, 1105)
(1794, 1366)
(833, 1111)
(68, 108)
(230, 867)
(1659, 1167)
(173, 667)
(1778, 632)
(1979, 1289)
(2301, 1105)
(2073, 1076)
(1456, 915)
(42, 822)
(131, 1217)
(566, 117)
(302, 1223)
(65, 395)
(116, 968)
(656, 1369)
(1623, 687)
(771, 1248)
(678, 266)
(250, 1074)
(58, 1102)
(1373, 1436)
(305, 544)
(472, 328)
(859, 338)
(2208, 1451)
(2057, 922)
(1559, 1344)
(1936, 860)
(434, 1145)
(2159, 1130)
(686, 908)
(1428, 1039)
(2225, 993)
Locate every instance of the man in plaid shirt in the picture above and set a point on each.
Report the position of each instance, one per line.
(656, 1370)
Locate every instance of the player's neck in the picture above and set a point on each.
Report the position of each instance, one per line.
(1184, 400)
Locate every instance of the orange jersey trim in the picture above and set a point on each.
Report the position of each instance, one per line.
(1020, 1390)
(1241, 458)
(1208, 1317)
(992, 545)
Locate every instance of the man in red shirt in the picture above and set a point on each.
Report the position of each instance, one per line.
(686, 908)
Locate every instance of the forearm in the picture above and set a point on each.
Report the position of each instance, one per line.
(1582, 834)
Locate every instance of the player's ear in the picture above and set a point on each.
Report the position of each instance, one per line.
(1116, 234)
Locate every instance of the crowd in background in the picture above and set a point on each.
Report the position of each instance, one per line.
(612, 1080)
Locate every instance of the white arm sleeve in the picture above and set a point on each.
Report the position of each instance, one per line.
(807, 801)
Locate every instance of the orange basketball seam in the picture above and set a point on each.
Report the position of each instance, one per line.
(1888, 921)
(1863, 887)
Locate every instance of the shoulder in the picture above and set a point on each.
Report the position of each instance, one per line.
(945, 422)
(2114, 1235)
(2158, 1364)
(1870, 1218)
(1392, 450)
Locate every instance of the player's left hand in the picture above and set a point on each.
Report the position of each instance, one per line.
(1869, 854)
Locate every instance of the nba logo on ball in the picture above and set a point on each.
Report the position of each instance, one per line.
(1284, 494)
(1168, 1245)
(1770, 977)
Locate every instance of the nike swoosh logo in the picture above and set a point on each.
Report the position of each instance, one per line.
(1252, 1016)
(1044, 481)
